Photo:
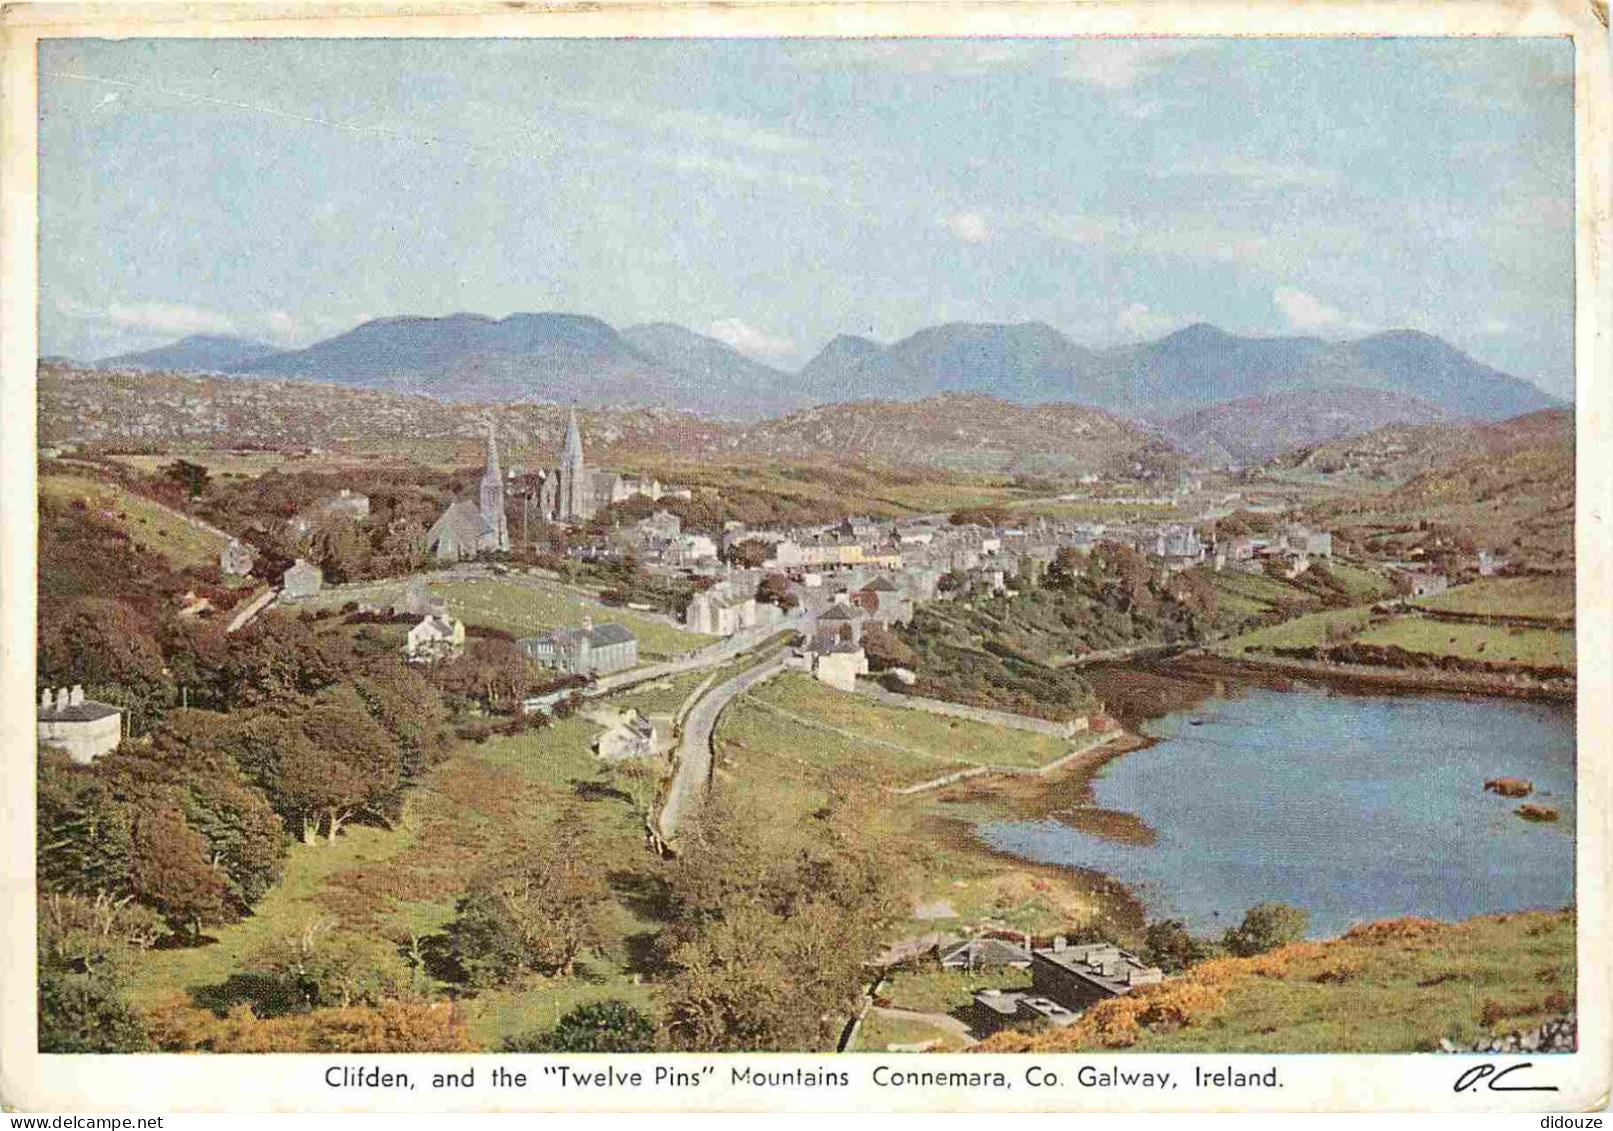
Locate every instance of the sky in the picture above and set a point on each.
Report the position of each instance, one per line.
(774, 193)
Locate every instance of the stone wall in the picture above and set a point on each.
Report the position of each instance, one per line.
(1068, 729)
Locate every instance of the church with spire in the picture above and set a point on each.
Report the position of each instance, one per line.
(470, 527)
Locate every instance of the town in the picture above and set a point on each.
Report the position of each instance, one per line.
(589, 595)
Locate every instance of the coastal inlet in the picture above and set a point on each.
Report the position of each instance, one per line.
(1353, 807)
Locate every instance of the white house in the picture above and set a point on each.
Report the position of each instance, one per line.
(303, 579)
(436, 637)
(84, 728)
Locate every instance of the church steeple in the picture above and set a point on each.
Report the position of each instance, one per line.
(492, 473)
(571, 454)
(492, 497)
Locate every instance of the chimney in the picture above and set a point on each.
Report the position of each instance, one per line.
(1059, 943)
(47, 700)
(61, 698)
(77, 699)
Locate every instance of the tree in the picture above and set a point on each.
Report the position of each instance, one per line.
(317, 966)
(539, 911)
(110, 649)
(192, 477)
(1066, 568)
(749, 553)
(885, 649)
(84, 947)
(1123, 575)
(86, 1013)
(1266, 926)
(342, 549)
(491, 673)
(775, 590)
(169, 870)
(409, 709)
(402, 548)
(598, 1026)
(349, 765)
(84, 832)
(1168, 944)
(989, 516)
(189, 754)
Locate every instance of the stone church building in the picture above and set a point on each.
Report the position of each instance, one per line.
(470, 527)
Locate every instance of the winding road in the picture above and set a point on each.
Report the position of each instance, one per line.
(693, 773)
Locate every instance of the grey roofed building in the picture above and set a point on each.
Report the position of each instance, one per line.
(470, 526)
(983, 953)
(606, 648)
(83, 727)
(1081, 975)
(1000, 1009)
(461, 531)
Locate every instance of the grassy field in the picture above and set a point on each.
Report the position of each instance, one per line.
(1394, 987)
(787, 770)
(1362, 585)
(879, 1033)
(944, 739)
(1549, 595)
(184, 543)
(525, 609)
(1535, 647)
(933, 989)
(851, 489)
(1255, 593)
(483, 801)
(1310, 630)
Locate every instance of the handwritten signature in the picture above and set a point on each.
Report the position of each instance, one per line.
(1492, 1077)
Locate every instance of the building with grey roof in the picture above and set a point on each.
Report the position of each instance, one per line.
(82, 727)
(1084, 974)
(589, 650)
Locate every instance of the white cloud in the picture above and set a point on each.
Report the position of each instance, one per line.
(1253, 171)
(970, 227)
(1309, 314)
(1120, 64)
(1139, 321)
(168, 318)
(160, 321)
(748, 339)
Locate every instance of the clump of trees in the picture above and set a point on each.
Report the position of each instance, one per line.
(770, 927)
(598, 1026)
(1266, 926)
(537, 912)
(86, 945)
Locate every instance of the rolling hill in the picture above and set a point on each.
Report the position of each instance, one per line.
(963, 431)
(1253, 430)
(748, 388)
(199, 353)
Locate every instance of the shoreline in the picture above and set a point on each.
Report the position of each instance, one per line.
(1366, 679)
(1152, 689)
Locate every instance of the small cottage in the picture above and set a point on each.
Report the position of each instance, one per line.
(82, 727)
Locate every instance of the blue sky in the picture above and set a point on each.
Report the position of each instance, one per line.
(775, 193)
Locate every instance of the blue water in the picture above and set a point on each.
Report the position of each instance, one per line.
(1353, 807)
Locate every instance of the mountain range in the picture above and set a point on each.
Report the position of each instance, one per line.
(1401, 376)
